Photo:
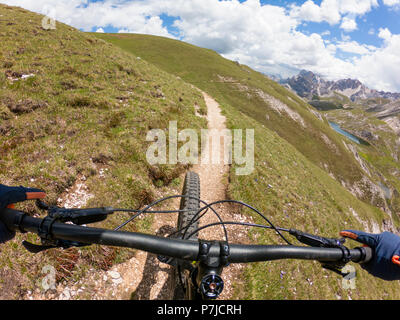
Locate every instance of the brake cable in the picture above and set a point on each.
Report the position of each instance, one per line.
(197, 216)
(245, 224)
(255, 210)
(172, 197)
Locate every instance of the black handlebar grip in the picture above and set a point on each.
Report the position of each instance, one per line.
(367, 254)
(8, 217)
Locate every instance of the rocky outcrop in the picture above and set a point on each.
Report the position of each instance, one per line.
(390, 113)
(386, 110)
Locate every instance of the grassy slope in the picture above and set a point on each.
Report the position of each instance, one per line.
(288, 184)
(204, 68)
(385, 151)
(384, 154)
(86, 110)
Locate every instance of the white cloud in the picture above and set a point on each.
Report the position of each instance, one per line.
(355, 47)
(391, 3)
(382, 67)
(134, 16)
(348, 24)
(332, 11)
(100, 30)
(345, 37)
(385, 34)
(357, 7)
(309, 11)
(264, 37)
(152, 25)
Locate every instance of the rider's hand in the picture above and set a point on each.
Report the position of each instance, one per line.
(11, 195)
(385, 262)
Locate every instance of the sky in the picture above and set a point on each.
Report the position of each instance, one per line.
(337, 39)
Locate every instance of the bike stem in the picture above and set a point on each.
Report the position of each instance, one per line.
(208, 276)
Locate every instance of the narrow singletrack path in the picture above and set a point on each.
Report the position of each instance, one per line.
(144, 277)
(214, 187)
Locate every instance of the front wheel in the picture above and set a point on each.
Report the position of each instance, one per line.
(190, 204)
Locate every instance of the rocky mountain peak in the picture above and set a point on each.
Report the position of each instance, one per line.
(308, 84)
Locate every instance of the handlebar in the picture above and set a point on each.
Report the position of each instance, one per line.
(175, 248)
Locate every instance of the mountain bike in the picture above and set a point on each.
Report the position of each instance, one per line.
(198, 262)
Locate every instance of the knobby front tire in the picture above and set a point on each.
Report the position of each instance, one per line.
(191, 205)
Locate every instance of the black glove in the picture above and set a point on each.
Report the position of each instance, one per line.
(11, 195)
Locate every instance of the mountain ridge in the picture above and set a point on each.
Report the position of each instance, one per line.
(308, 85)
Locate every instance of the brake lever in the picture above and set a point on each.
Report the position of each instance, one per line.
(62, 215)
(335, 268)
(42, 205)
(76, 216)
(36, 248)
(317, 241)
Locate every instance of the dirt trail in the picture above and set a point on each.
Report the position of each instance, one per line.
(144, 277)
(213, 187)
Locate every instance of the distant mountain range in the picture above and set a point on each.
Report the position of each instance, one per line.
(309, 85)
